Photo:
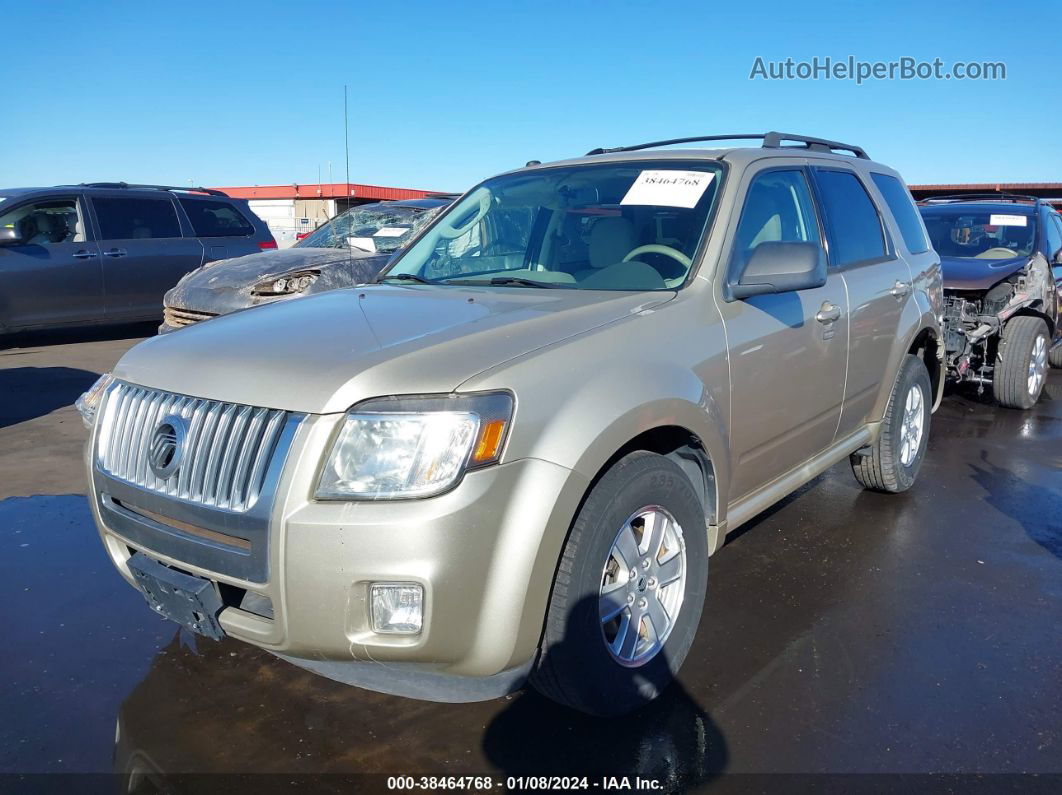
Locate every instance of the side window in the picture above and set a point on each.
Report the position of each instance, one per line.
(851, 218)
(136, 218)
(216, 219)
(1054, 235)
(46, 223)
(901, 205)
(778, 209)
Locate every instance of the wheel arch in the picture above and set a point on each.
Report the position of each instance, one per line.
(926, 346)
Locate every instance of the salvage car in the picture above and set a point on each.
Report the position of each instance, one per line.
(511, 457)
(350, 249)
(106, 252)
(1000, 296)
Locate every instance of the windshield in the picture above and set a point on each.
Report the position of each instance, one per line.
(962, 232)
(629, 226)
(382, 228)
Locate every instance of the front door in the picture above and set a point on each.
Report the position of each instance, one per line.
(52, 275)
(787, 351)
(143, 253)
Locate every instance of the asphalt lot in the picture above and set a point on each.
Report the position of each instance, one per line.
(845, 632)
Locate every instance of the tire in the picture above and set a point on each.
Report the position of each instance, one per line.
(1022, 350)
(575, 666)
(891, 466)
(1054, 356)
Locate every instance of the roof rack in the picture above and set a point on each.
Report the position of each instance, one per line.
(999, 196)
(177, 188)
(771, 140)
(438, 195)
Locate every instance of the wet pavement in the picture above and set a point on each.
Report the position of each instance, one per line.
(845, 632)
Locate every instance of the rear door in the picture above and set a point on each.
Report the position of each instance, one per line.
(144, 251)
(878, 282)
(52, 277)
(223, 228)
(787, 350)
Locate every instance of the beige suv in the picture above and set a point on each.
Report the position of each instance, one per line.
(511, 458)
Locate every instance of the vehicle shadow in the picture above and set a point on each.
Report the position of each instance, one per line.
(671, 740)
(11, 343)
(1037, 509)
(30, 392)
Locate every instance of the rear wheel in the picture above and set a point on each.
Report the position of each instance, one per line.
(893, 461)
(629, 590)
(1022, 367)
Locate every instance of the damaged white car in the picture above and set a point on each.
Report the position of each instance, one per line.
(350, 249)
(1001, 328)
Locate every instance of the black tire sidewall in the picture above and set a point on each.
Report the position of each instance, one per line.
(914, 373)
(580, 655)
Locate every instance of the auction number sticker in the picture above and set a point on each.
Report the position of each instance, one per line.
(669, 188)
(1008, 220)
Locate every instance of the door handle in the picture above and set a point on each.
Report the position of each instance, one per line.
(829, 313)
(115, 252)
(84, 254)
(900, 289)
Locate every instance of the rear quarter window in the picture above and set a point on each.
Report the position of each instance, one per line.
(852, 219)
(216, 219)
(901, 205)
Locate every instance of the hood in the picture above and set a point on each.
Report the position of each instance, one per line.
(968, 273)
(323, 353)
(225, 286)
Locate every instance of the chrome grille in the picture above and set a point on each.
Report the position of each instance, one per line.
(179, 318)
(226, 453)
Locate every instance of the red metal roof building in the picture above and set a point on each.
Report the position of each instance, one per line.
(328, 190)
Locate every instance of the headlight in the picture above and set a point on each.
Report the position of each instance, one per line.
(90, 401)
(286, 285)
(393, 448)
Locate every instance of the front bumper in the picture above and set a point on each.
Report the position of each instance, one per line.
(485, 554)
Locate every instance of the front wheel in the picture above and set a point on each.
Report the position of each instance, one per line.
(629, 590)
(892, 462)
(1022, 368)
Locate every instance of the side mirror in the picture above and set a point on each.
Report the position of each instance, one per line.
(781, 268)
(9, 236)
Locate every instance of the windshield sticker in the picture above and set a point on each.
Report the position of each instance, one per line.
(1008, 220)
(669, 188)
(391, 231)
(364, 243)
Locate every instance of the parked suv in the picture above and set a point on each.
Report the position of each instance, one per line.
(512, 457)
(998, 252)
(106, 252)
(350, 249)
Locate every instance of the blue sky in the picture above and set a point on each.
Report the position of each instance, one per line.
(445, 93)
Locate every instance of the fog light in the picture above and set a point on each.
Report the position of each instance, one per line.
(397, 607)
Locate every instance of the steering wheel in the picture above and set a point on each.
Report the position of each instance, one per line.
(656, 248)
(999, 252)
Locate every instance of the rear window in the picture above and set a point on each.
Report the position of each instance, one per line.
(135, 218)
(901, 205)
(216, 219)
(855, 228)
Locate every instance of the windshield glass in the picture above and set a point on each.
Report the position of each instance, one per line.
(963, 232)
(383, 228)
(628, 226)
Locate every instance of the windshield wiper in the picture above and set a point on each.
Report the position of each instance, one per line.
(520, 280)
(406, 277)
(505, 280)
